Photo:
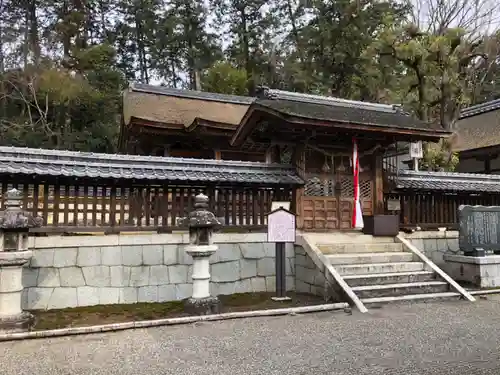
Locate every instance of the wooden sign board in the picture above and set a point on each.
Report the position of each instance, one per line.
(281, 226)
(393, 205)
(479, 228)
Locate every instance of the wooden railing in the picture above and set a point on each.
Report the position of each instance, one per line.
(436, 210)
(114, 208)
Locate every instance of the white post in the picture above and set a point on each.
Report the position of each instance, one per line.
(201, 269)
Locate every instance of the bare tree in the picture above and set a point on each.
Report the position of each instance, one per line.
(477, 17)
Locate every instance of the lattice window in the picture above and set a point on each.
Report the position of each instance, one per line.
(316, 187)
(347, 188)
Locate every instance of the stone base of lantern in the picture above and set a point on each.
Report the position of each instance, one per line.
(17, 323)
(202, 306)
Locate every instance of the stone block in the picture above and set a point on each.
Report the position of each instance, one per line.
(289, 250)
(111, 256)
(317, 290)
(109, 296)
(24, 299)
(97, 276)
(166, 293)
(269, 249)
(38, 298)
(178, 274)
(43, 258)
(87, 296)
(88, 256)
(127, 295)
(248, 268)
(226, 289)
(291, 266)
(302, 287)
(418, 243)
(183, 257)
(309, 263)
(30, 277)
(139, 276)
(319, 279)
(226, 252)
(147, 294)
(152, 255)
(271, 284)
(252, 250)
(71, 277)
(48, 277)
(65, 257)
(63, 298)
(158, 275)
(300, 260)
(442, 245)
(183, 291)
(243, 286)
(299, 250)
(266, 267)
(453, 245)
(258, 284)
(225, 272)
(170, 254)
(132, 255)
(290, 283)
(430, 244)
(120, 276)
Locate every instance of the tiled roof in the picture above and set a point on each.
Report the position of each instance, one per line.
(447, 181)
(191, 94)
(480, 108)
(341, 110)
(479, 126)
(43, 162)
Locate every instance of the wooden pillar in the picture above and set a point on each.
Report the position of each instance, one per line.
(299, 161)
(487, 165)
(378, 186)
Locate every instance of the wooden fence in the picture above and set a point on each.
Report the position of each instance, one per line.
(435, 210)
(114, 208)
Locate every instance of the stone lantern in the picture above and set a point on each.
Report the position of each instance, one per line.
(201, 223)
(14, 254)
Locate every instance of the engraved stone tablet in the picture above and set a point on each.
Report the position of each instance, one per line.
(479, 229)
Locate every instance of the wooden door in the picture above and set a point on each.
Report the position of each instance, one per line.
(328, 205)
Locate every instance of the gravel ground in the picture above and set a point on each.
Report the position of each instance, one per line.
(446, 338)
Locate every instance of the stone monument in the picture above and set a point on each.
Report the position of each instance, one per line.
(201, 223)
(14, 254)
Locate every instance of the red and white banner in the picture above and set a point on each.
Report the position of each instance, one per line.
(357, 215)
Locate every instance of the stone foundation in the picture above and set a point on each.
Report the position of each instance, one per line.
(94, 270)
(483, 272)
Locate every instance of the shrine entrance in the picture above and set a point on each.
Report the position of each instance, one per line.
(328, 195)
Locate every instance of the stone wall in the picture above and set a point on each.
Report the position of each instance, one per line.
(434, 244)
(92, 270)
(308, 277)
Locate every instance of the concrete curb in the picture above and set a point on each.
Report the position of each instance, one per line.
(483, 292)
(169, 321)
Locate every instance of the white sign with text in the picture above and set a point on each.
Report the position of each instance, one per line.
(281, 226)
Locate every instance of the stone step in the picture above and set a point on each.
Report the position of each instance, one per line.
(389, 278)
(369, 258)
(412, 297)
(347, 248)
(392, 290)
(363, 269)
(347, 238)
